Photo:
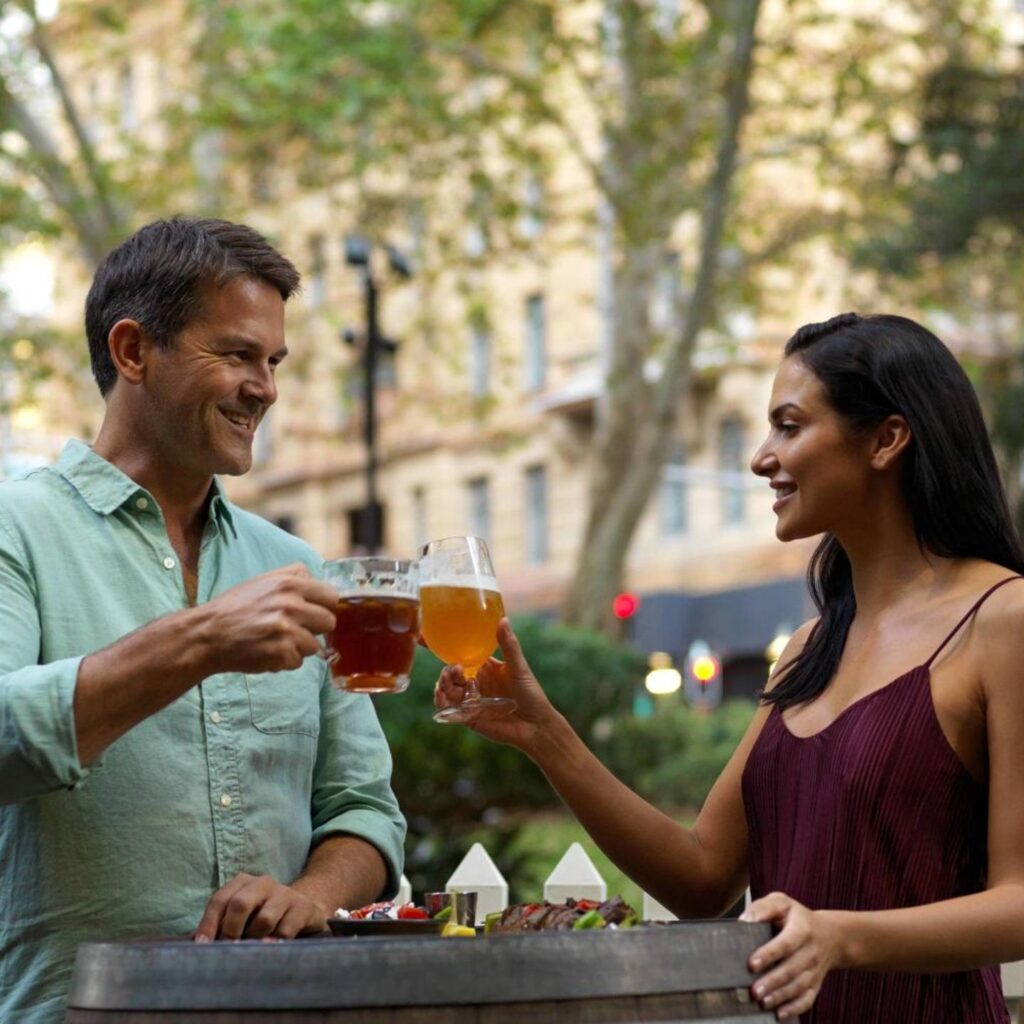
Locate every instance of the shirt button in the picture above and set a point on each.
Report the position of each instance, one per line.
(168, 563)
(142, 503)
(225, 800)
(215, 717)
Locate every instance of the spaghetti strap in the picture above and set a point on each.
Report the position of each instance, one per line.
(970, 615)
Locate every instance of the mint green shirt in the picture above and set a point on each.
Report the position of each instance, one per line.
(241, 773)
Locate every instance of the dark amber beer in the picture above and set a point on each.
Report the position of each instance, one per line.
(377, 623)
(374, 641)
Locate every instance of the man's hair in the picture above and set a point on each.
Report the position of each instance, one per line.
(157, 277)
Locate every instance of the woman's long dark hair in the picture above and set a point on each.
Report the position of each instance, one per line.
(872, 367)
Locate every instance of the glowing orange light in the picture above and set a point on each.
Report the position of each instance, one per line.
(704, 668)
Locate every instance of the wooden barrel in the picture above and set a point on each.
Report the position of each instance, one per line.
(676, 972)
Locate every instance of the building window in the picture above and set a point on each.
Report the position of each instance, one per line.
(666, 16)
(208, 157)
(536, 515)
(673, 496)
(731, 445)
(93, 118)
(263, 444)
(418, 232)
(536, 344)
(475, 240)
(126, 87)
(317, 284)
(261, 181)
(479, 361)
(531, 220)
(666, 293)
(479, 493)
(420, 535)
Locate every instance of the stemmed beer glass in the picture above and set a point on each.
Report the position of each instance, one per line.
(461, 606)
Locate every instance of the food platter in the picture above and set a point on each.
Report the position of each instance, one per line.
(351, 927)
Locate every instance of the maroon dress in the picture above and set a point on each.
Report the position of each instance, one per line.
(874, 812)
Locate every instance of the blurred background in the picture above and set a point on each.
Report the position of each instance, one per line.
(551, 251)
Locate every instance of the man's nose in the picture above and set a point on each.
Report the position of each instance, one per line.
(262, 385)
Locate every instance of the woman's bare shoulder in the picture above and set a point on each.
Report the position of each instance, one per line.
(1001, 616)
(996, 637)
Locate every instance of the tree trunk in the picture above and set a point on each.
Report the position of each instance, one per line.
(641, 419)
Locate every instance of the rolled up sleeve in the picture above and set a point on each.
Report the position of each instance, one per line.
(38, 749)
(352, 779)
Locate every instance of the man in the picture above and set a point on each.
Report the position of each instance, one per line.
(173, 757)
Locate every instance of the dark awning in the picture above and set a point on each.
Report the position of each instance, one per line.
(735, 623)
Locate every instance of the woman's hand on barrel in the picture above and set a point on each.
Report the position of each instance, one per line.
(510, 677)
(259, 907)
(794, 963)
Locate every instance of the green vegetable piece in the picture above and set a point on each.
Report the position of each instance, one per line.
(629, 920)
(491, 920)
(591, 919)
(444, 913)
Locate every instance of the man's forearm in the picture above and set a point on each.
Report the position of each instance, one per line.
(135, 677)
(343, 871)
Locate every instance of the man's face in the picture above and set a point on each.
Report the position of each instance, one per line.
(207, 393)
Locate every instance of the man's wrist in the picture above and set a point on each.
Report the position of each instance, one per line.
(204, 647)
(312, 893)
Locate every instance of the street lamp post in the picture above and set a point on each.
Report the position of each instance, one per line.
(369, 525)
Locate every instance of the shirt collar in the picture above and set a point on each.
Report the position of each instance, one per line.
(105, 488)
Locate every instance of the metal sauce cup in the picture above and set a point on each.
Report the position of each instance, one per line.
(463, 906)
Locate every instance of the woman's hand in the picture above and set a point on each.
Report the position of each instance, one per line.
(796, 960)
(513, 678)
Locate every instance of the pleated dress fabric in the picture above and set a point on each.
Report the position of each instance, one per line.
(874, 812)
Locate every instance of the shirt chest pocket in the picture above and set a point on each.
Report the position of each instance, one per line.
(286, 702)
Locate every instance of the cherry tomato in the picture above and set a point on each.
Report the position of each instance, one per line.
(408, 912)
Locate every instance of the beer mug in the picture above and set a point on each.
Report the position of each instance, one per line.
(373, 643)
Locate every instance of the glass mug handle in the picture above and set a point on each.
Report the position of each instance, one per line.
(326, 652)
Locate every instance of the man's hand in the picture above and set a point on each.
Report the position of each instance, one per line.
(258, 907)
(269, 623)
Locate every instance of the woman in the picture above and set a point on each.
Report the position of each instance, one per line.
(875, 803)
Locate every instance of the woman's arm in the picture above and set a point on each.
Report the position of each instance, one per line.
(698, 872)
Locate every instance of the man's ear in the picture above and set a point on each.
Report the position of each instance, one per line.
(129, 347)
(890, 441)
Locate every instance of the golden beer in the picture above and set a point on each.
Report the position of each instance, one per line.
(459, 622)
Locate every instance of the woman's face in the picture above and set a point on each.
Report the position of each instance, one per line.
(819, 472)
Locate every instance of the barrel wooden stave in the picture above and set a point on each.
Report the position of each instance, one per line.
(680, 972)
(730, 1006)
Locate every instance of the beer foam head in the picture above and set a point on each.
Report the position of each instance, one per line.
(463, 583)
(353, 593)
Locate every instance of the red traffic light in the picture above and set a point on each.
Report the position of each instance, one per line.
(625, 605)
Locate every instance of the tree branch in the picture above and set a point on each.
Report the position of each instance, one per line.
(527, 89)
(54, 174)
(97, 174)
